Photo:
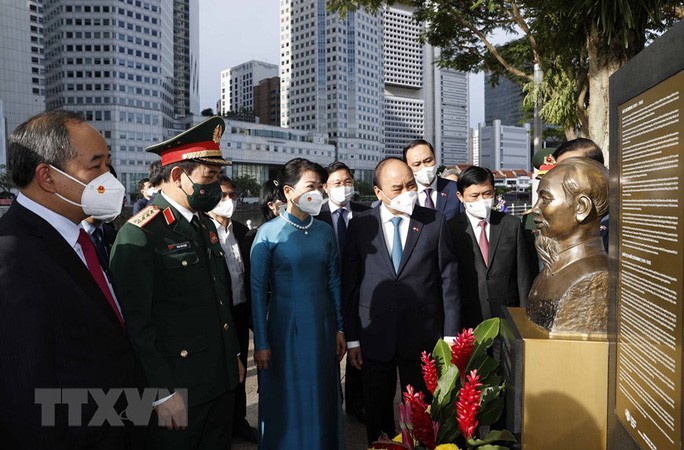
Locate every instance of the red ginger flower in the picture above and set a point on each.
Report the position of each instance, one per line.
(423, 427)
(461, 350)
(468, 405)
(429, 372)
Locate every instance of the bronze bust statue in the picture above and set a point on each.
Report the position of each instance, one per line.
(570, 295)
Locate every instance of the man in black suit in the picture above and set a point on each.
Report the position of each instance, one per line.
(145, 190)
(494, 269)
(337, 212)
(399, 289)
(236, 245)
(433, 192)
(60, 323)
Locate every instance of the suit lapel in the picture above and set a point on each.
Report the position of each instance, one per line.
(415, 227)
(494, 235)
(479, 260)
(441, 198)
(380, 241)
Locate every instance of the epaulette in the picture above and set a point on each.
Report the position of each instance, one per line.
(144, 216)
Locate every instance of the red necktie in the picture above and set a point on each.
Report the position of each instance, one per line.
(484, 243)
(96, 270)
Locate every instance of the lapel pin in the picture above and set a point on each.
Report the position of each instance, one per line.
(416, 229)
(212, 237)
(443, 194)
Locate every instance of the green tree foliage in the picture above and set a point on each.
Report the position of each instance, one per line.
(578, 44)
(208, 112)
(247, 185)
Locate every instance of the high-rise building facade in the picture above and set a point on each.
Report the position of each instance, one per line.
(130, 67)
(505, 147)
(503, 102)
(238, 83)
(331, 78)
(22, 77)
(267, 101)
(451, 116)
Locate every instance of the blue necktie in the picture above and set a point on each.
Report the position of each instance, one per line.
(98, 240)
(341, 228)
(396, 246)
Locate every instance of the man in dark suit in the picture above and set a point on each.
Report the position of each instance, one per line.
(236, 245)
(60, 323)
(494, 269)
(433, 192)
(337, 212)
(177, 296)
(145, 190)
(399, 289)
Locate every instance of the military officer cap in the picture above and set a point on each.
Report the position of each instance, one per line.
(200, 143)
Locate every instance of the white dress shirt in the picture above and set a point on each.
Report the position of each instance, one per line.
(236, 267)
(388, 227)
(475, 223)
(185, 212)
(422, 195)
(67, 229)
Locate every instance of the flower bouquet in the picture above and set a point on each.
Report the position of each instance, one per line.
(467, 388)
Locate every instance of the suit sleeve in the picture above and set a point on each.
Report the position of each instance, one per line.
(260, 259)
(133, 266)
(448, 267)
(334, 280)
(525, 273)
(352, 268)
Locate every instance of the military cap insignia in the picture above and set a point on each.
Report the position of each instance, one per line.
(144, 216)
(218, 132)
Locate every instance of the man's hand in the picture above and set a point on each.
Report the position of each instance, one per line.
(261, 358)
(172, 414)
(341, 346)
(241, 371)
(354, 356)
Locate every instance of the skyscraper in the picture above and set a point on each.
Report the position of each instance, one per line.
(22, 79)
(185, 58)
(267, 101)
(504, 147)
(238, 83)
(503, 102)
(331, 79)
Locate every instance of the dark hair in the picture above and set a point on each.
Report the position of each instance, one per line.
(589, 147)
(141, 183)
(187, 166)
(293, 171)
(112, 171)
(337, 165)
(380, 166)
(225, 179)
(155, 173)
(416, 143)
(44, 138)
(474, 175)
(268, 193)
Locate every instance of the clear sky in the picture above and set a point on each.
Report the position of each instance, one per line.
(237, 31)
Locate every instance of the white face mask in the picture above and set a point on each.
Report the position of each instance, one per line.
(310, 202)
(404, 202)
(341, 195)
(479, 209)
(151, 191)
(426, 175)
(102, 198)
(225, 208)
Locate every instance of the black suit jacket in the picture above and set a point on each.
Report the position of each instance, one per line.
(244, 239)
(485, 290)
(326, 215)
(57, 330)
(447, 200)
(400, 313)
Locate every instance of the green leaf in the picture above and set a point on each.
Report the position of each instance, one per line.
(442, 355)
(485, 365)
(446, 384)
(491, 412)
(485, 333)
(492, 447)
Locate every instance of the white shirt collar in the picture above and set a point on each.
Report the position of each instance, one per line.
(334, 207)
(89, 227)
(64, 226)
(386, 215)
(474, 221)
(220, 228)
(432, 186)
(185, 212)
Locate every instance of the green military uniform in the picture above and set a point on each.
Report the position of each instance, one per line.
(174, 291)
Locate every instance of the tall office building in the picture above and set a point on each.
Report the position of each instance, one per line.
(331, 79)
(22, 79)
(503, 102)
(505, 147)
(267, 101)
(238, 83)
(129, 66)
(451, 116)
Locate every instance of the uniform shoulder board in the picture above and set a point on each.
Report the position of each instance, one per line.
(144, 216)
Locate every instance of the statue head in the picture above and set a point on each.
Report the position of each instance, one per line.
(572, 199)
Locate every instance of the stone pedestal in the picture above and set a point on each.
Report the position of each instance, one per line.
(558, 386)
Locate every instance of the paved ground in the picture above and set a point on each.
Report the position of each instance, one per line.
(355, 431)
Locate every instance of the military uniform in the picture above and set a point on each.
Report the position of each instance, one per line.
(176, 301)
